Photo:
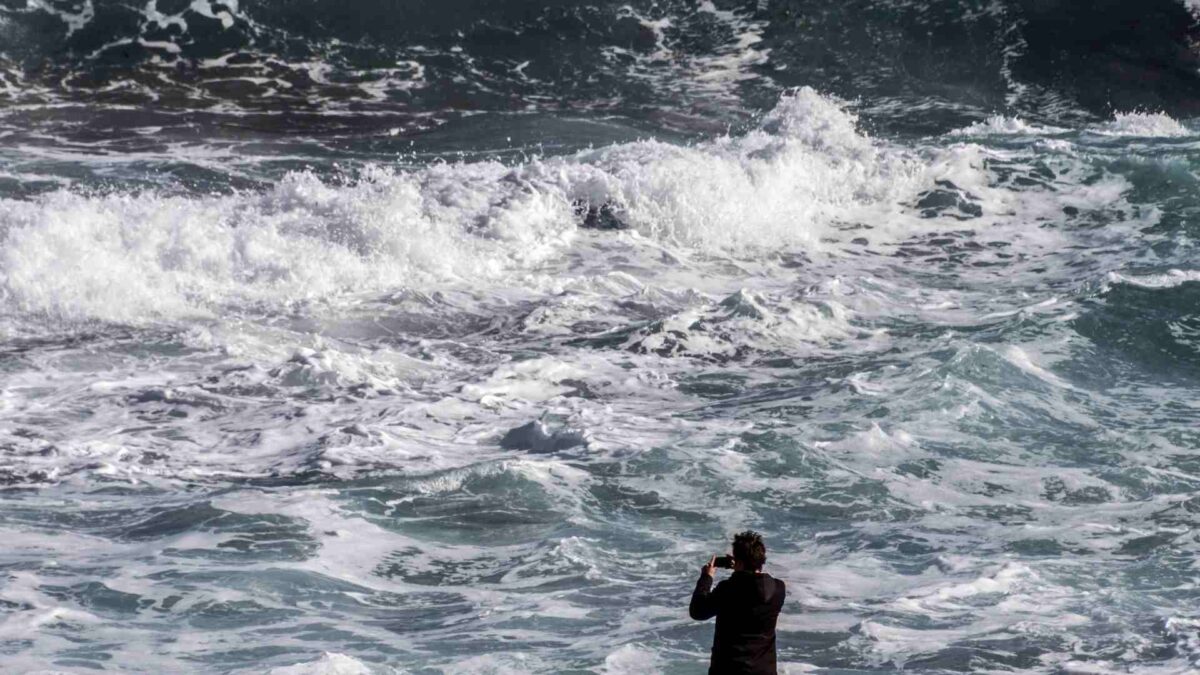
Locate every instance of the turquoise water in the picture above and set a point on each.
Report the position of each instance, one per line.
(267, 375)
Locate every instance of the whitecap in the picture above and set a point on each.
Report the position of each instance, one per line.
(1142, 125)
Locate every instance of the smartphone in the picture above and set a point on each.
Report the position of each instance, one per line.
(724, 562)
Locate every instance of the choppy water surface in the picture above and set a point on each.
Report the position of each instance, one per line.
(312, 360)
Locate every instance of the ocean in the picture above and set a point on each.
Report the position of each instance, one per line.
(407, 337)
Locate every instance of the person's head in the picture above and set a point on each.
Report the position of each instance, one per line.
(749, 551)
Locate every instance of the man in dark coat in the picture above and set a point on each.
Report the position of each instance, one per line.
(746, 606)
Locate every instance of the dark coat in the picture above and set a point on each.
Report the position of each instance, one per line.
(746, 606)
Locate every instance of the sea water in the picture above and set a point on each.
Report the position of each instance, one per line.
(312, 362)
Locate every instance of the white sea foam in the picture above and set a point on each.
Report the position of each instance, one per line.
(1133, 124)
(137, 258)
(328, 664)
(631, 660)
(1144, 125)
(75, 21)
(794, 184)
(298, 441)
(1169, 279)
(704, 78)
(130, 258)
(1022, 360)
(999, 125)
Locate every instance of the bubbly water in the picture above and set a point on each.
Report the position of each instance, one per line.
(314, 361)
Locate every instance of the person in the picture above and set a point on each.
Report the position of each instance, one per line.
(746, 605)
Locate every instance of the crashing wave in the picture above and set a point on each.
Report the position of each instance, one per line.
(132, 258)
(1143, 125)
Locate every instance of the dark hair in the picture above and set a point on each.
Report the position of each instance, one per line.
(749, 549)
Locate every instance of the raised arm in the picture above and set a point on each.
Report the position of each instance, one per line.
(704, 599)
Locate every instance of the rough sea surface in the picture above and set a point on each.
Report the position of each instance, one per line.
(392, 336)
